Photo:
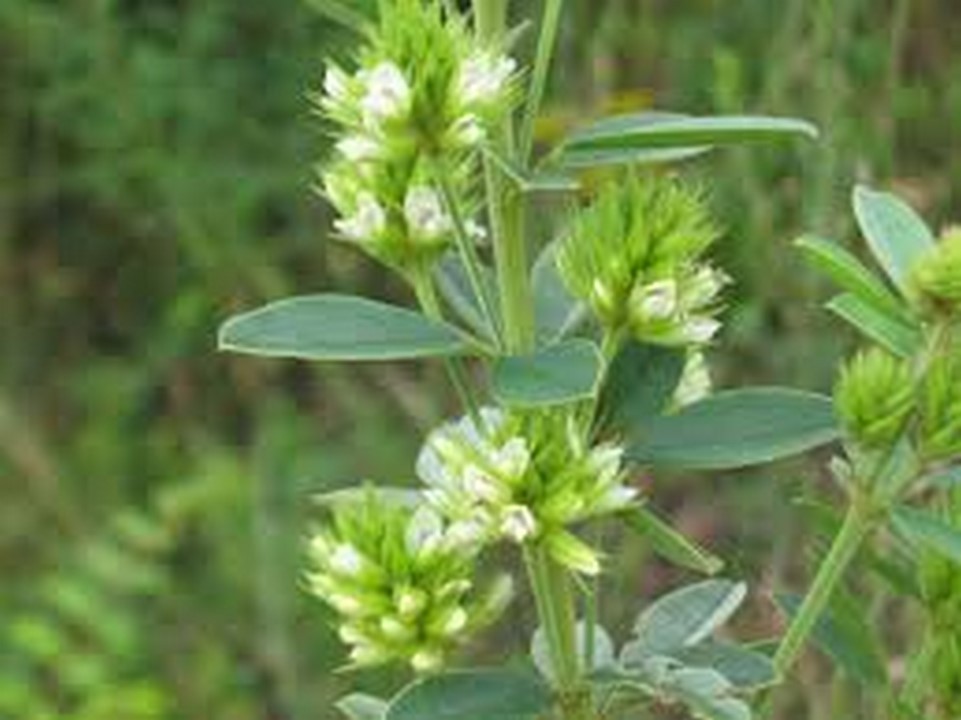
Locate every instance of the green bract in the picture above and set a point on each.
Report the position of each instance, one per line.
(401, 582)
(525, 477)
(635, 257)
(936, 279)
(940, 409)
(874, 398)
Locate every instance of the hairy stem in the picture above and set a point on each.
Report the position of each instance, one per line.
(857, 526)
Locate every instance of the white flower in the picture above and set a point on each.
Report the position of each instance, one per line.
(386, 95)
(467, 130)
(483, 78)
(518, 523)
(605, 461)
(368, 221)
(466, 533)
(616, 497)
(347, 560)
(475, 230)
(336, 84)
(425, 532)
(512, 459)
(455, 622)
(703, 288)
(657, 301)
(480, 486)
(425, 214)
(426, 661)
(359, 148)
(699, 330)
(695, 381)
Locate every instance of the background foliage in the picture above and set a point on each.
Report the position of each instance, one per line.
(155, 170)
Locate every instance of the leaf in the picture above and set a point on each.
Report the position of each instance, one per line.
(338, 327)
(455, 288)
(670, 543)
(473, 695)
(929, 531)
(848, 272)
(845, 637)
(737, 428)
(559, 374)
(555, 311)
(640, 382)
(603, 649)
(683, 618)
(704, 691)
(746, 669)
(359, 706)
(892, 333)
(897, 236)
(661, 137)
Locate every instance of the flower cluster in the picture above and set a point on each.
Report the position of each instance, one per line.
(401, 582)
(425, 92)
(874, 398)
(940, 409)
(635, 257)
(523, 477)
(936, 278)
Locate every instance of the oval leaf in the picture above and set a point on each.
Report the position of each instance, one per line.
(671, 544)
(684, 618)
(897, 236)
(930, 531)
(338, 327)
(737, 428)
(671, 136)
(746, 669)
(562, 373)
(555, 311)
(473, 695)
(885, 329)
(639, 384)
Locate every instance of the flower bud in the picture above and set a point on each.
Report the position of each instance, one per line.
(518, 523)
(874, 397)
(573, 553)
(940, 409)
(695, 383)
(936, 278)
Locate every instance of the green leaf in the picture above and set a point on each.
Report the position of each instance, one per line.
(897, 236)
(338, 327)
(473, 695)
(704, 691)
(603, 655)
(746, 669)
(683, 618)
(455, 288)
(359, 706)
(929, 531)
(848, 272)
(662, 137)
(640, 382)
(671, 544)
(559, 374)
(844, 635)
(737, 428)
(887, 330)
(555, 311)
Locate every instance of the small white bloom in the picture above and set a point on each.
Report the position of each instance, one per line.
(426, 661)
(345, 604)
(695, 382)
(347, 560)
(367, 223)
(467, 534)
(425, 531)
(336, 84)
(359, 148)
(455, 622)
(395, 629)
(616, 497)
(703, 288)
(699, 330)
(481, 486)
(483, 78)
(605, 462)
(352, 635)
(425, 214)
(512, 459)
(410, 603)
(467, 130)
(658, 301)
(518, 523)
(387, 94)
(475, 230)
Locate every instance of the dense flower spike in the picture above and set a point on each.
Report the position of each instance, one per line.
(635, 257)
(874, 398)
(940, 409)
(523, 477)
(425, 95)
(401, 582)
(936, 279)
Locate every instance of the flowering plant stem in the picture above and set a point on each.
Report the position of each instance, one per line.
(858, 524)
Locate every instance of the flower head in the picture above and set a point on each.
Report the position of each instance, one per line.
(940, 409)
(402, 585)
(635, 257)
(874, 398)
(936, 279)
(522, 477)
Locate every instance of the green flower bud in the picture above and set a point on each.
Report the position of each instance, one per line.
(874, 398)
(936, 279)
(634, 257)
(939, 433)
(573, 553)
(403, 592)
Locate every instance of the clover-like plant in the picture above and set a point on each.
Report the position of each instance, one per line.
(577, 370)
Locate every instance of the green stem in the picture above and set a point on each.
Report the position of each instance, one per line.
(857, 526)
(542, 63)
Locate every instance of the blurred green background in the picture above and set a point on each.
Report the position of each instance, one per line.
(157, 159)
